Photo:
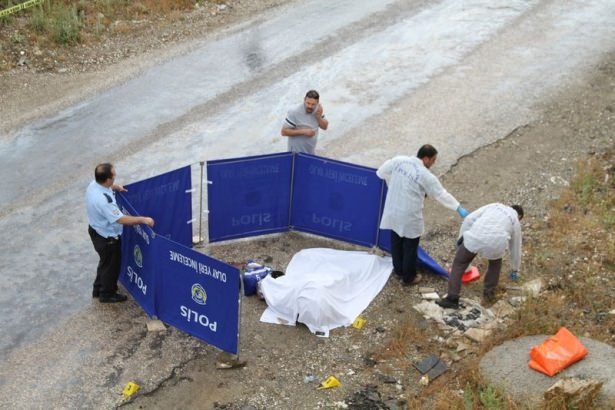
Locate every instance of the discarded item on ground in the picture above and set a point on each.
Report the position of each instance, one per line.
(155, 325)
(309, 378)
(470, 275)
(253, 274)
(324, 288)
(130, 389)
(358, 323)
(437, 370)
(431, 368)
(330, 382)
(229, 361)
(557, 353)
(426, 364)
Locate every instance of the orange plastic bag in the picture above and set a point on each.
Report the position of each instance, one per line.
(556, 353)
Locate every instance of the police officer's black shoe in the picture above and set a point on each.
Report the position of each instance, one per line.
(95, 293)
(115, 298)
(447, 303)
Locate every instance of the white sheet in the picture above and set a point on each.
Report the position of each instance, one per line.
(324, 288)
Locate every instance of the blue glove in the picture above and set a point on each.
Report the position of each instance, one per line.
(513, 275)
(462, 212)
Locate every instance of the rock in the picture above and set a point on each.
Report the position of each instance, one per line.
(576, 392)
(430, 296)
(461, 347)
(155, 325)
(502, 309)
(426, 290)
(477, 335)
(533, 287)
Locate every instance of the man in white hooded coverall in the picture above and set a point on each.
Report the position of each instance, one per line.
(409, 181)
(488, 231)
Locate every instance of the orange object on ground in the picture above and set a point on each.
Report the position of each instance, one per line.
(556, 353)
(470, 275)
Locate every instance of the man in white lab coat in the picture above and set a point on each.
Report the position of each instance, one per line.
(409, 181)
(487, 232)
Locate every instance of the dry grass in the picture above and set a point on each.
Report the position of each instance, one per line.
(407, 334)
(576, 259)
(574, 254)
(57, 26)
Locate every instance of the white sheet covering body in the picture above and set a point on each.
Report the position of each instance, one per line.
(324, 288)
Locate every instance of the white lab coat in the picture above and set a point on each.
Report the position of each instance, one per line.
(408, 181)
(491, 229)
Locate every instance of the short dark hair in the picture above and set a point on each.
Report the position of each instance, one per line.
(103, 172)
(427, 151)
(519, 210)
(312, 94)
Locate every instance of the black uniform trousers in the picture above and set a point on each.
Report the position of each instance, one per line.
(110, 252)
(404, 252)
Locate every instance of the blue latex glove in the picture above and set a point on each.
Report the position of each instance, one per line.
(513, 275)
(462, 211)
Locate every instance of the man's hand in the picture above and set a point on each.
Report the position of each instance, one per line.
(308, 132)
(118, 188)
(319, 112)
(148, 221)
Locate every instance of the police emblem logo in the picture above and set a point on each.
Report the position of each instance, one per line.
(137, 256)
(198, 294)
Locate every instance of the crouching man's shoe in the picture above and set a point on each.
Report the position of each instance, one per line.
(115, 298)
(448, 303)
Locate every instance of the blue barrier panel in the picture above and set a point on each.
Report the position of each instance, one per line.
(198, 294)
(248, 196)
(335, 199)
(138, 269)
(167, 199)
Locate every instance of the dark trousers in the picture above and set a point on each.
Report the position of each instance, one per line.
(404, 252)
(462, 260)
(110, 252)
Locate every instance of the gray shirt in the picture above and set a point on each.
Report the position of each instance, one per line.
(298, 118)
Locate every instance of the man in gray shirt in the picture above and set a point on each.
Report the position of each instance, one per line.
(302, 123)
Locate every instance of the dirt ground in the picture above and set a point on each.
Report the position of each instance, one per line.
(285, 364)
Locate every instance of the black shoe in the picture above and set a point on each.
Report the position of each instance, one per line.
(95, 293)
(115, 298)
(447, 303)
(417, 279)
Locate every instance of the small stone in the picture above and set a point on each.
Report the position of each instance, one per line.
(426, 290)
(155, 325)
(477, 335)
(430, 296)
